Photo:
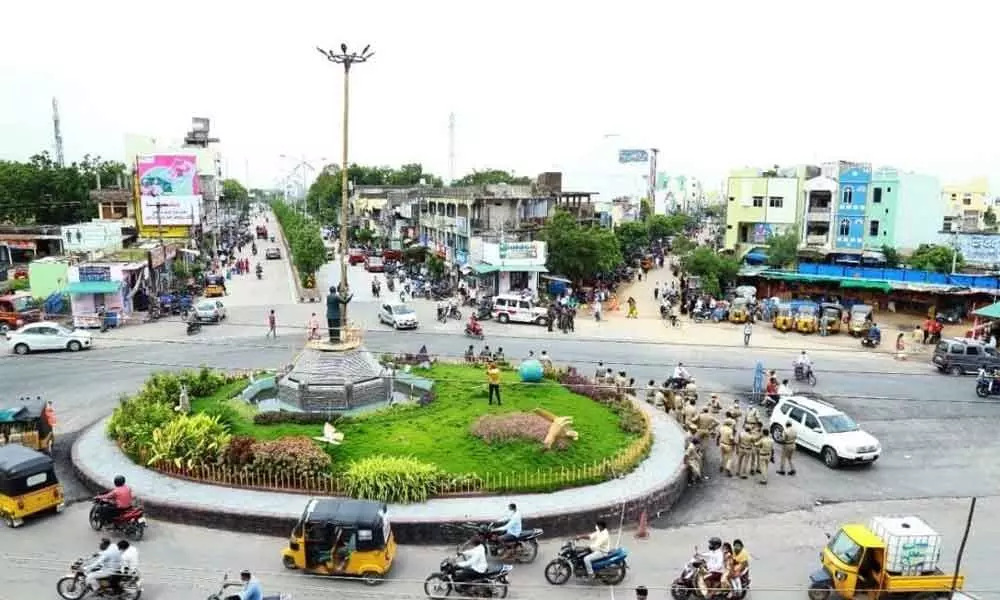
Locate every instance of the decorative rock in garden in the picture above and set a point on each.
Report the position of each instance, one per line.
(531, 371)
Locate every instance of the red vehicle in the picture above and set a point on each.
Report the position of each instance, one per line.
(261, 232)
(16, 310)
(131, 522)
(356, 256)
(375, 264)
(396, 255)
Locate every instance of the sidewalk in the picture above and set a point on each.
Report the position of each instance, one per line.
(655, 485)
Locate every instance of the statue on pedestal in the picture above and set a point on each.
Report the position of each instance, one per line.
(334, 316)
(183, 402)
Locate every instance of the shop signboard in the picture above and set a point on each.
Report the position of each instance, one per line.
(170, 191)
(518, 250)
(94, 273)
(514, 254)
(461, 258)
(158, 255)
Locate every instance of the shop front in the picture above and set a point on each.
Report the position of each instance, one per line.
(109, 285)
(511, 267)
(161, 260)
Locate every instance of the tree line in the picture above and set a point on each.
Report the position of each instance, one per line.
(40, 192)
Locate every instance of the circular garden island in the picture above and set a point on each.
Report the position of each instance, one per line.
(196, 425)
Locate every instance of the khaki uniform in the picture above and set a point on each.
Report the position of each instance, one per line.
(714, 406)
(692, 459)
(689, 414)
(659, 401)
(727, 444)
(677, 405)
(621, 385)
(788, 438)
(691, 391)
(754, 437)
(744, 447)
(764, 447)
(706, 425)
(651, 396)
(734, 413)
(753, 419)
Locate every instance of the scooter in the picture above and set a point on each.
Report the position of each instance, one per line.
(478, 334)
(985, 387)
(871, 341)
(686, 585)
(193, 327)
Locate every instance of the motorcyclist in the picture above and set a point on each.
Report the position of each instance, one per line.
(473, 564)
(715, 562)
(875, 334)
(442, 310)
(599, 543)
(473, 325)
(129, 567)
(119, 500)
(260, 270)
(510, 529)
(106, 564)
(251, 588)
(803, 364)
(681, 376)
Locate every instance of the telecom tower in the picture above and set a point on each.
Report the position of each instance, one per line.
(451, 148)
(60, 160)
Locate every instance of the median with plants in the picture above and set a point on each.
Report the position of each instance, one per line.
(555, 434)
(305, 242)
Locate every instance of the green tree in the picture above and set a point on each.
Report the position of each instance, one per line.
(633, 237)
(892, 258)
(323, 197)
(990, 217)
(645, 209)
(435, 265)
(578, 252)
(715, 271)
(41, 192)
(491, 176)
(233, 191)
(304, 240)
(664, 226)
(783, 250)
(934, 257)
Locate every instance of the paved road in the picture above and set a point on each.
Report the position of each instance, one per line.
(185, 562)
(939, 440)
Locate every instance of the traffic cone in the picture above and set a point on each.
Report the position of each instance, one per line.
(643, 531)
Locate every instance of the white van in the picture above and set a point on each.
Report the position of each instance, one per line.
(513, 308)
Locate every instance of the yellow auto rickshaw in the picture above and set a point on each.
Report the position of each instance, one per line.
(861, 320)
(832, 314)
(739, 311)
(784, 319)
(338, 537)
(807, 318)
(28, 484)
(215, 286)
(27, 425)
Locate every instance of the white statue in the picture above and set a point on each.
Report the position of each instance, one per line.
(330, 435)
(184, 402)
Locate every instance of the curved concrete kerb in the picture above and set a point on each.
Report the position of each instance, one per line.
(654, 486)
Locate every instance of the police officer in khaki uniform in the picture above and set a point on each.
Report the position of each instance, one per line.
(678, 405)
(744, 447)
(691, 390)
(788, 438)
(651, 392)
(659, 401)
(621, 385)
(753, 419)
(714, 406)
(765, 450)
(706, 425)
(692, 459)
(727, 442)
(754, 436)
(690, 413)
(735, 413)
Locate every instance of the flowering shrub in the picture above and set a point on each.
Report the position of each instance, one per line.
(584, 386)
(497, 429)
(240, 451)
(296, 456)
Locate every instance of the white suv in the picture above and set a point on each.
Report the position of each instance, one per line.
(515, 309)
(824, 429)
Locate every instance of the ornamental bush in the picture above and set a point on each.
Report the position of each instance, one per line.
(189, 441)
(290, 456)
(401, 479)
(494, 429)
(294, 418)
(132, 424)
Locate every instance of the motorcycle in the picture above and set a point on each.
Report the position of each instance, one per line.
(871, 341)
(686, 585)
(131, 522)
(983, 385)
(454, 313)
(805, 373)
(74, 586)
(701, 315)
(491, 584)
(609, 570)
(525, 548)
(474, 333)
(193, 327)
(227, 583)
(260, 274)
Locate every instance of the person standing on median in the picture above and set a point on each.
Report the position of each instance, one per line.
(272, 325)
(493, 377)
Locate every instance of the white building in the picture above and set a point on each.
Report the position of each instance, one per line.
(503, 267)
(103, 236)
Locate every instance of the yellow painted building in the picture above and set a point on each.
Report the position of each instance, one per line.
(759, 206)
(965, 204)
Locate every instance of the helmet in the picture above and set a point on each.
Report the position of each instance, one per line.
(119, 480)
(714, 543)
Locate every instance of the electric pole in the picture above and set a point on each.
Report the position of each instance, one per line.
(163, 250)
(653, 153)
(347, 59)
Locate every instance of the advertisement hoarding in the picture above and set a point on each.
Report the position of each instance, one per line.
(632, 156)
(170, 192)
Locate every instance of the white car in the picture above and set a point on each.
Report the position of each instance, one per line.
(824, 429)
(511, 308)
(47, 335)
(400, 316)
(211, 311)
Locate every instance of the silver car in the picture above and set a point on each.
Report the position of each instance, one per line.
(400, 316)
(210, 311)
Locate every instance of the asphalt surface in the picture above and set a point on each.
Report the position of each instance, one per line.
(180, 562)
(938, 439)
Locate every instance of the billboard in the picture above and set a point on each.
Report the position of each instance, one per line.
(632, 156)
(169, 190)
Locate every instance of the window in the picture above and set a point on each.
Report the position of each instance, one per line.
(967, 200)
(811, 422)
(524, 305)
(775, 201)
(784, 408)
(877, 195)
(845, 227)
(847, 196)
(758, 201)
(888, 190)
(796, 414)
(972, 350)
(956, 349)
(500, 302)
(873, 228)
(845, 549)
(838, 423)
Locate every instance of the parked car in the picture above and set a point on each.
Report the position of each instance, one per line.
(958, 356)
(211, 311)
(272, 254)
(374, 264)
(356, 256)
(399, 316)
(514, 308)
(48, 335)
(824, 429)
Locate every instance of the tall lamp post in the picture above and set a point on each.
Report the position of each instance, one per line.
(347, 59)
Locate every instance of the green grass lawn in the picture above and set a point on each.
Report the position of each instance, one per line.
(439, 433)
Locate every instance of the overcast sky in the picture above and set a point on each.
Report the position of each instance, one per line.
(534, 86)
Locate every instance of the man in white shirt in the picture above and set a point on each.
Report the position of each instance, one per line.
(681, 374)
(715, 562)
(130, 558)
(784, 389)
(599, 543)
(803, 360)
(106, 564)
(473, 564)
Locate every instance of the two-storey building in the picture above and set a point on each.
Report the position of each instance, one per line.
(966, 205)
(903, 211)
(762, 204)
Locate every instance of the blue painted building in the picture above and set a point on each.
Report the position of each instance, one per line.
(854, 181)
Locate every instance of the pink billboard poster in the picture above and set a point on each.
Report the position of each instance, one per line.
(169, 175)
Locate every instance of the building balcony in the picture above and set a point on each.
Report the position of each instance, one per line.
(818, 214)
(817, 239)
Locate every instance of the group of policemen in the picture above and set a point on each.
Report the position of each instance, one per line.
(745, 447)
